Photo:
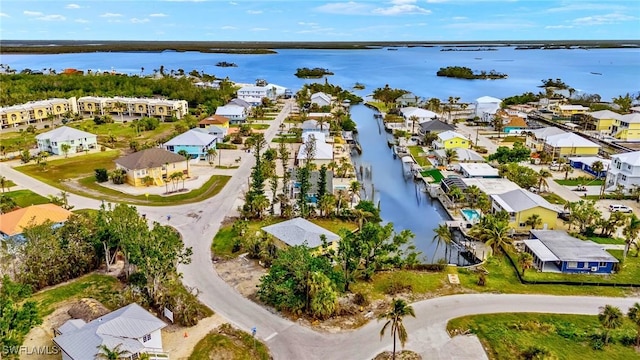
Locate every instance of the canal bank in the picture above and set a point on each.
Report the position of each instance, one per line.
(403, 202)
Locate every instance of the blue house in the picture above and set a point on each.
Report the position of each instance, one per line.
(194, 142)
(557, 251)
(586, 162)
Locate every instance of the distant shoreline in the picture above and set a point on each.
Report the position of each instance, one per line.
(248, 47)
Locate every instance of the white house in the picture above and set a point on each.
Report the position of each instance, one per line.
(624, 171)
(486, 107)
(313, 125)
(131, 327)
(78, 140)
(422, 115)
(323, 152)
(235, 113)
(254, 94)
(321, 99)
(194, 142)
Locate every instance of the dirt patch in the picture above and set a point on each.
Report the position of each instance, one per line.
(42, 335)
(402, 355)
(242, 273)
(180, 341)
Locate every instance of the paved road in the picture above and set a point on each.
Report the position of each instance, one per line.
(198, 223)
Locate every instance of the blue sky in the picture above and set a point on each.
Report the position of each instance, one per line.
(313, 20)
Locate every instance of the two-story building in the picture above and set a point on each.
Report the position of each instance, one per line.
(536, 138)
(564, 110)
(451, 140)
(235, 113)
(569, 145)
(624, 171)
(521, 204)
(408, 99)
(254, 94)
(36, 111)
(155, 164)
(602, 121)
(66, 140)
(486, 107)
(195, 142)
(627, 127)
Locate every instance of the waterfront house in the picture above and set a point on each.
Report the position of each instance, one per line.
(451, 140)
(312, 193)
(77, 140)
(435, 127)
(486, 107)
(235, 113)
(156, 163)
(585, 164)
(478, 170)
(489, 186)
(515, 124)
(564, 110)
(557, 251)
(315, 126)
(463, 156)
(194, 142)
(536, 138)
(624, 171)
(408, 99)
(569, 145)
(421, 115)
(254, 94)
(323, 152)
(132, 328)
(627, 128)
(13, 223)
(321, 99)
(602, 121)
(300, 231)
(520, 204)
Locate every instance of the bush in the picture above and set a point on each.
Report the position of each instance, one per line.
(226, 146)
(597, 341)
(397, 287)
(103, 148)
(360, 299)
(102, 175)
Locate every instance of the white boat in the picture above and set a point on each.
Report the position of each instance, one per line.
(407, 166)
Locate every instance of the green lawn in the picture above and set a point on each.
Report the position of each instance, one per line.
(70, 168)
(435, 174)
(227, 342)
(417, 282)
(17, 141)
(607, 240)
(24, 198)
(576, 182)
(508, 336)
(124, 133)
(422, 160)
(554, 198)
(512, 138)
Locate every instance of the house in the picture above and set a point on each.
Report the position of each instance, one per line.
(624, 171)
(254, 94)
(585, 164)
(218, 132)
(321, 99)
(568, 145)
(515, 124)
(564, 110)
(486, 107)
(194, 142)
(536, 138)
(77, 140)
(299, 231)
(556, 251)
(435, 127)
(132, 327)
(478, 170)
(235, 113)
(316, 126)
(420, 116)
(463, 156)
(408, 99)
(156, 163)
(323, 152)
(602, 121)
(451, 140)
(241, 102)
(312, 193)
(489, 186)
(521, 204)
(627, 128)
(13, 223)
(37, 111)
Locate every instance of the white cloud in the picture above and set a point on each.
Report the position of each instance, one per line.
(53, 17)
(458, 18)
(259, 29)
(401, 2)
(401, 9)
(110, 15)
(139, 21)
(4, 15)
(398, 7)
(254, 12)
(233, 3)
(603, 19)
(348, 8)
(158, 15)
(227, 27)
(559, 27)
(81, 21)
(582, 6)
(72, 6)
(307, 24)
(32, 13)
(500, 25)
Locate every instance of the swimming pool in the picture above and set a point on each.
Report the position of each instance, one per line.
(471, 215)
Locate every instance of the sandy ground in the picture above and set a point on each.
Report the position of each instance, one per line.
(242, 273)
(179, 341)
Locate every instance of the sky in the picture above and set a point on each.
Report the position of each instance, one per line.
(316, 20)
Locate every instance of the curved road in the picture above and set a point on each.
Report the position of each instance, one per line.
(199, 223)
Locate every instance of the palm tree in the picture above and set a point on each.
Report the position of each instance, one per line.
(211, 155)
(525, 260)
(395, 315)
(534, 221)
(3, 182)
(630, 233)
(327, 204)
(111, 354)
(414, 119)
(611, 318)
(542, 179)
(634, 315)
(443, 236)
(361, 216)
(354, 189)
(597, 167)
(473, 194)
(455, 194)
(451, 156)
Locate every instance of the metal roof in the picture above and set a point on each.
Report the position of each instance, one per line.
(149, 158)
(540, 250)
(192, 137)
(568, 248)
(519, 200)
(64, 133)
(300, 231)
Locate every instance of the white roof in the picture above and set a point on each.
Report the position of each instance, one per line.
(546, 132)
(64, 133)
(479, 169)
(322, 96)
(463, 154)
(447, 135)
(323, 151)
(230, 109)
(569, 140)
(540, 250)
(589, 160)
(299, 231)
(572, 107)
(491, 186)
(192, 137)
(604, 114)
(488, 99)
(630, 118)
(520, 199)
(420, 113)
(631, 158)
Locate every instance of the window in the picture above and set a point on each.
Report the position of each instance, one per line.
(146, 338)
(602, 264)
(624, 177)
(522, 224)
(572, 264)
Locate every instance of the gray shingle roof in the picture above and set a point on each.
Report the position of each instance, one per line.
(123, 326)
(192, 137)
(298, 231)
(149, 158)
(568, 248)
(519, 200)
(436, 125)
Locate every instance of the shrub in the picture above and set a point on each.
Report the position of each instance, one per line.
(360, 299)
(226, 146)
(397, 287)
(597, 341)
(482, 279)
(103, 148)
(102, 175)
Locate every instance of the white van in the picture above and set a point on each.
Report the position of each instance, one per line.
(620, 208)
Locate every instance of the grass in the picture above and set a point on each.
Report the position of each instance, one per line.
(76, 166)
(24, 198)
(554, 198)
(286, 139)
(512, 139)
(99, 287)
(507, 336)
(124, 133)
(434, 174)
(415, 152)
(383, 283)
(16, 141)
(253, 126)
(226, 342)
(606, 240)
(576, 182)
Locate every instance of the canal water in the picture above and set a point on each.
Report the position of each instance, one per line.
(403, 202)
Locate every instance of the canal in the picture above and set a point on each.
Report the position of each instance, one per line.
(403, 202)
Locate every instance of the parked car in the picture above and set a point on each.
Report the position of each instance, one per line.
(620, 208)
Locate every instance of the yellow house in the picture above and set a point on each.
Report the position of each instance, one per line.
(217, 120)
(604, 120)
(451, 140)
(569, 144)
(521, 205)
(300, 231)
(91, 105)
(627, 127)
(155, 164)
(14, 115)
(568, 110)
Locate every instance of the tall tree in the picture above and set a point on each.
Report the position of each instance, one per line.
(442, 236)
(634, 315)
(525, 260)
(65, 149)
(611, 318)
(322, 181)
(395, 315)
(534, 221)
(630, 233)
